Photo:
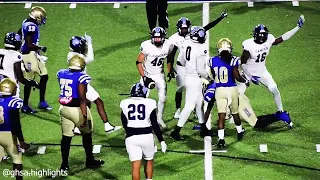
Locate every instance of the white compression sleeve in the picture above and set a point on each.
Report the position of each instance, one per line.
(90, 55)
(290, 33)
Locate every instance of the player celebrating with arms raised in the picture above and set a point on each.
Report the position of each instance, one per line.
(255, 51)
(139, 119)
(150, 66)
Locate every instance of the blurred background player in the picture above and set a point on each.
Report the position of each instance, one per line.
(73, 111)
(157, 10)
(139, 119)
(194, 59)
(82, 46)
(150, 66)
(33, 62)
(224, 69)
(255, 51)
(10, 61)
(10, 128)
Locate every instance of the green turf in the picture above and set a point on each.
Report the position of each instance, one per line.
(117, 34)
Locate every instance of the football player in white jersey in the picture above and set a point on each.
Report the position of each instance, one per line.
(253, 58)
(194, 60)
(10, 61)
(139, 119)
(83, 46)
(150, 66)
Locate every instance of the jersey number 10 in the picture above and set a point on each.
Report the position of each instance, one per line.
(137, 112)
(221, 74)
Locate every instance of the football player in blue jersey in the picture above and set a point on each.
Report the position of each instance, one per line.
(10, 127)
(224, 69)
(74, 111)
(33, 62)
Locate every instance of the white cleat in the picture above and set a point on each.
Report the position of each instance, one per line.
(162, 124)
(76, 131)
(177, 114)
(108, 128)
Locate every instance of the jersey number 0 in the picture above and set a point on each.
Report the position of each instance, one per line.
(137, 112)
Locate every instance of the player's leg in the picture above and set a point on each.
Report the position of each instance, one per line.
(148, 169)
(245, 110)
(43, 73)
(180, 82)
(148, 154)
(234, 107)
(161, 86)
(163, 14)
(222, 104)
(200, 111)
(134, 151)
(268, 81)
(152, 9)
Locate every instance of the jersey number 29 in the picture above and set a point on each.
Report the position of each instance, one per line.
(137, 112)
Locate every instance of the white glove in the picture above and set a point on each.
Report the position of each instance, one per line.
(163, 146)
(88, 38)
(301, 21)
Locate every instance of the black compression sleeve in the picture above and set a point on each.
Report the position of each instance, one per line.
(213, 23)
(15, 124)
(155, 126)
(172, 55)
(124, 121)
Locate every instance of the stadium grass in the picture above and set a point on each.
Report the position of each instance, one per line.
(117, 34)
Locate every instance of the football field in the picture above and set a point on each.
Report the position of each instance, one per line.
(116, 36)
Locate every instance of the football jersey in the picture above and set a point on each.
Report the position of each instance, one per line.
(7, 60)
(137, 111)
(258, 53)
(154, 56)
(223, 71)
(69, 82)
(193, 53)
(7, 104)
(29, 28)
(178, 41)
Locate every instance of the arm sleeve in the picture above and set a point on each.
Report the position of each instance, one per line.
(290, 33)
(90, 54)
(213, 23)
(155, 125)
(15, 124)
(124, 121)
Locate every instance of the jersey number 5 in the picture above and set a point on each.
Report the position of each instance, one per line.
(157, 62)
(65, 87)
(137, 112)
(261, 57)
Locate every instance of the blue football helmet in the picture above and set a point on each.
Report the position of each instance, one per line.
(183, 26)
(78, 44)
(260, 34)
(138, 90)
(12, 40)
(198, 34)
(158, 36)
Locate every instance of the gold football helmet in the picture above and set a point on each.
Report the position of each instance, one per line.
(8, 87)
(77, 62)
(39, 14)
(224, 44)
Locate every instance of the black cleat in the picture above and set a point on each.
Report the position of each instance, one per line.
(221, 143)
(240, 135)
(176, 136)
(93, 164)
(28, 110)
(63, 171)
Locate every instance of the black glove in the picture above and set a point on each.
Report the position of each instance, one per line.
(224, 14)
(171, 75)
(148, 82)
(43, 49)
(33, 83)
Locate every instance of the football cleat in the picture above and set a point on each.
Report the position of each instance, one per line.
(45, 106)
(285, 117)
(176, 136)
(240, 135)
(260, 34)
(183, 26)
(158, 36)
(92, 164)
(28, 110)
(221, 143)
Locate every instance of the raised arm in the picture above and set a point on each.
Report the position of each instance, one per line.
(215, 22)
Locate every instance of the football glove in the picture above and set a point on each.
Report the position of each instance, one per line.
(43, 49)
(224, 14)
(255, 80)
(163, 146)
(88, 38)
(171, 75)
(301, 21)
(148, 82)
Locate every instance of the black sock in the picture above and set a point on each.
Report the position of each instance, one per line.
(177, 129)
(265, 120)
(178, 99)
(65, 149)
(18, 168)
(26, 92)
(43, 86)
(87, 145)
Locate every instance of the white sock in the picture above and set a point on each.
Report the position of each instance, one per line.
(239, 129)
(277, 98)
(221, 133)
(160, 109)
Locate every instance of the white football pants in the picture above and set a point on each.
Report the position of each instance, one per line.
(180, 78)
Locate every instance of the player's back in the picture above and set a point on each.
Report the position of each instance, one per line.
(137, 111)
(69, 82)
(192, 53)
(29, 28)
(6, 105)
(223, 72)
(154, 56)
(7, 60)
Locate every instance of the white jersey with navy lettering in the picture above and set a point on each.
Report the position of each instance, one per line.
(256, 64)
(137, 111)
(154, 56)
(178, 41)
(7, 60)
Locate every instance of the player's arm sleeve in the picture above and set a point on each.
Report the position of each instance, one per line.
(90, 54)
(213, 23)
(201, 66)
(124, 121)
(245, 53)
(155, 125)
(15, 124)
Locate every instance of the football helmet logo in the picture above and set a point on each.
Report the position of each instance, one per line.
(183, 26)
(77, 63)
(39, 14)
(138, 90)
(78, 44)
(260, 34)
(198, 34)
(158, 36)
(12, 40)
(8, 87)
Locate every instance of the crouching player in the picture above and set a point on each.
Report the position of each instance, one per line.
(10, 128)
(73, 111)
(139, 119)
